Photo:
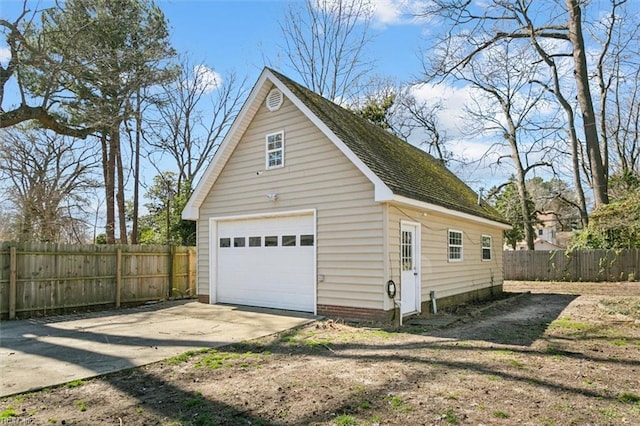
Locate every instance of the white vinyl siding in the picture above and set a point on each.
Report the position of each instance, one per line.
(438, 274)
(349, 234)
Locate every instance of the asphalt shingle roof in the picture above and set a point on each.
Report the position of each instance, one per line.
(405, 169)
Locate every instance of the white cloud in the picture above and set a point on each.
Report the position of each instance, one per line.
(397, 12)
(453, 99)
(5, 55)
(387, 12)
(478, 152)
(206, 78)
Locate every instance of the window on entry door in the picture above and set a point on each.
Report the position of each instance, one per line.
(406, 258)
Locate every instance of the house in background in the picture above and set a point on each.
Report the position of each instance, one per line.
(306, 206)
(548, 236)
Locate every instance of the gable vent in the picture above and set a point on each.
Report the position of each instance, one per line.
(274, 100)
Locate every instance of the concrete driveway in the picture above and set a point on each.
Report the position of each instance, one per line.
(37, 353)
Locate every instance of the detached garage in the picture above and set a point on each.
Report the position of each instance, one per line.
(266, 261)
(306, 206)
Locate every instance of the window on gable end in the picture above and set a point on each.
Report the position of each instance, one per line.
(275, 150)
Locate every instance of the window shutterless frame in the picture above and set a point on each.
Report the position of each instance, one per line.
(486, 248)
(454, 245)
(274, 150)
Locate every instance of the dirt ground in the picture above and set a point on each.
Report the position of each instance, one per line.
(550, 354)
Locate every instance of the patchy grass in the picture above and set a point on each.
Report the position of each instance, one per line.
(628, 306)
(499, 414)
(81, 404)
(629, 398)
(450, 417)
(398, 403)
(582, 370)
(345, 420)
(74, 383)
(182, 358)
(569, 324)
(8, 413)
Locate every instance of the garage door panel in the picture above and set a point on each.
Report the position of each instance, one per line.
(276, 277)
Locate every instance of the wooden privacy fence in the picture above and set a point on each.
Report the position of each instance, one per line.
(41, 279)
(578, 265)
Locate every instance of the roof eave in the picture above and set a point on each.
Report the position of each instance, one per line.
(439, 209)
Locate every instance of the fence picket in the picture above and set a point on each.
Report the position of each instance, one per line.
(43, 278)
(578, 265)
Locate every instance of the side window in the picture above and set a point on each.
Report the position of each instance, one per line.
(275, 150)
(486, 247)
(455, 246)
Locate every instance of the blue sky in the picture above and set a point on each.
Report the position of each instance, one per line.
(245, 35)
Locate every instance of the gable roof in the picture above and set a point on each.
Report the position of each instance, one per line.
(399, 171)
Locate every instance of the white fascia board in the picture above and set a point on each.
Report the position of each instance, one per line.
(382, 191)
(191, 210)
(439, 209)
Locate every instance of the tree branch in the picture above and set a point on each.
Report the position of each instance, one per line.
(47, 120)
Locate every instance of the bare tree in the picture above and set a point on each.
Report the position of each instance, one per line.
(470, 30)
(618, 78)
(196, 111)
(623, 125)
(325, 43)
(599, 174)
(506, 107)
(555, 88)
(49, 176)
(417, 120)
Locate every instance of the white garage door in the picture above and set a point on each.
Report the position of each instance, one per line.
(267, 262)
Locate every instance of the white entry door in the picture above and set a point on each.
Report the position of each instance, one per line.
(410, 268)
(267, 262)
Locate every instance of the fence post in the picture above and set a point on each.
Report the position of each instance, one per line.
(118, 276)
(13, 281)
(188, 283)
(172, 269)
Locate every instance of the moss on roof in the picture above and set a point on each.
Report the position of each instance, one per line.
(407, 170)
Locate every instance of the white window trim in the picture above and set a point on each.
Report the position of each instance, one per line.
(482, 248)
(268, 151)
(449, 245)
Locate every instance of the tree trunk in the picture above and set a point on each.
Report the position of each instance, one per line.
(524, 209)
(136, 172)
(527, 221)
(108, 169)
(122, 217)
(598, 172)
